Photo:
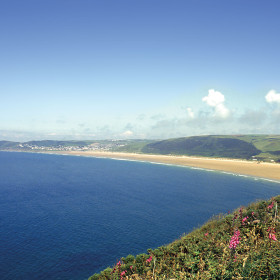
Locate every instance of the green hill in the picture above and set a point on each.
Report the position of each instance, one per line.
(241, 245)
(265, 143)
(8, 144)
(208, 146)
(268, 144)
(258, 147)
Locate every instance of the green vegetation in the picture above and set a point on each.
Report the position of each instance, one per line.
(265, 143)
(269, 145)
(254, 147)
(257, 147)
(241, 245)
(209, 146)
(133, 146)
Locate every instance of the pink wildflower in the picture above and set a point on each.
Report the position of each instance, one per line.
(253, 213)
(234, 241)
(270, 206)
(244, 220)
(271, 234)
(131, 267)
(123, 273)
(206, 233)
(149, 259)
(119, 263)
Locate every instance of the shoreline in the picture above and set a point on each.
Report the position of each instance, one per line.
(262, 170)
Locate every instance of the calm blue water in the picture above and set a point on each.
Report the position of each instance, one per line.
(66, 217)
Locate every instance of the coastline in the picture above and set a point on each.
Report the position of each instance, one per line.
(263, 170)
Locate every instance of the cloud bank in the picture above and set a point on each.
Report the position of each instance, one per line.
(179, 122)
(222, 120)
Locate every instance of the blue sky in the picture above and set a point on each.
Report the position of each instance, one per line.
(116, 69)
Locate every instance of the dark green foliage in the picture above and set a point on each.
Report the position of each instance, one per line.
(128, 259)
(94, 277)
(141, 258)
(209, 146)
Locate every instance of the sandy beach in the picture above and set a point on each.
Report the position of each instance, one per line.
(243, 167)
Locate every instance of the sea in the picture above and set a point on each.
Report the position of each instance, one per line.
(68, 217)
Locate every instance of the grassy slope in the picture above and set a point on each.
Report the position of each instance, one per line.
(262, 147)
(206, 254)
(134, 146)
(265, 143)
(209, 146)
(268, 144)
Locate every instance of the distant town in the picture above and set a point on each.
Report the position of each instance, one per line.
(90, 147)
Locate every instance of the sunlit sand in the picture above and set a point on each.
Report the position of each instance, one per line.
(243, 167)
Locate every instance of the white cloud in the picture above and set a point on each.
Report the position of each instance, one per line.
(190, 113)
(272, 97)
(216, 100)
(127, 133)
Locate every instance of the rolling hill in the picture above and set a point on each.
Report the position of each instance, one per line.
(257, 147)
(208, 146)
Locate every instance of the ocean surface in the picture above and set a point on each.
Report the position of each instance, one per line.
(68, 217)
